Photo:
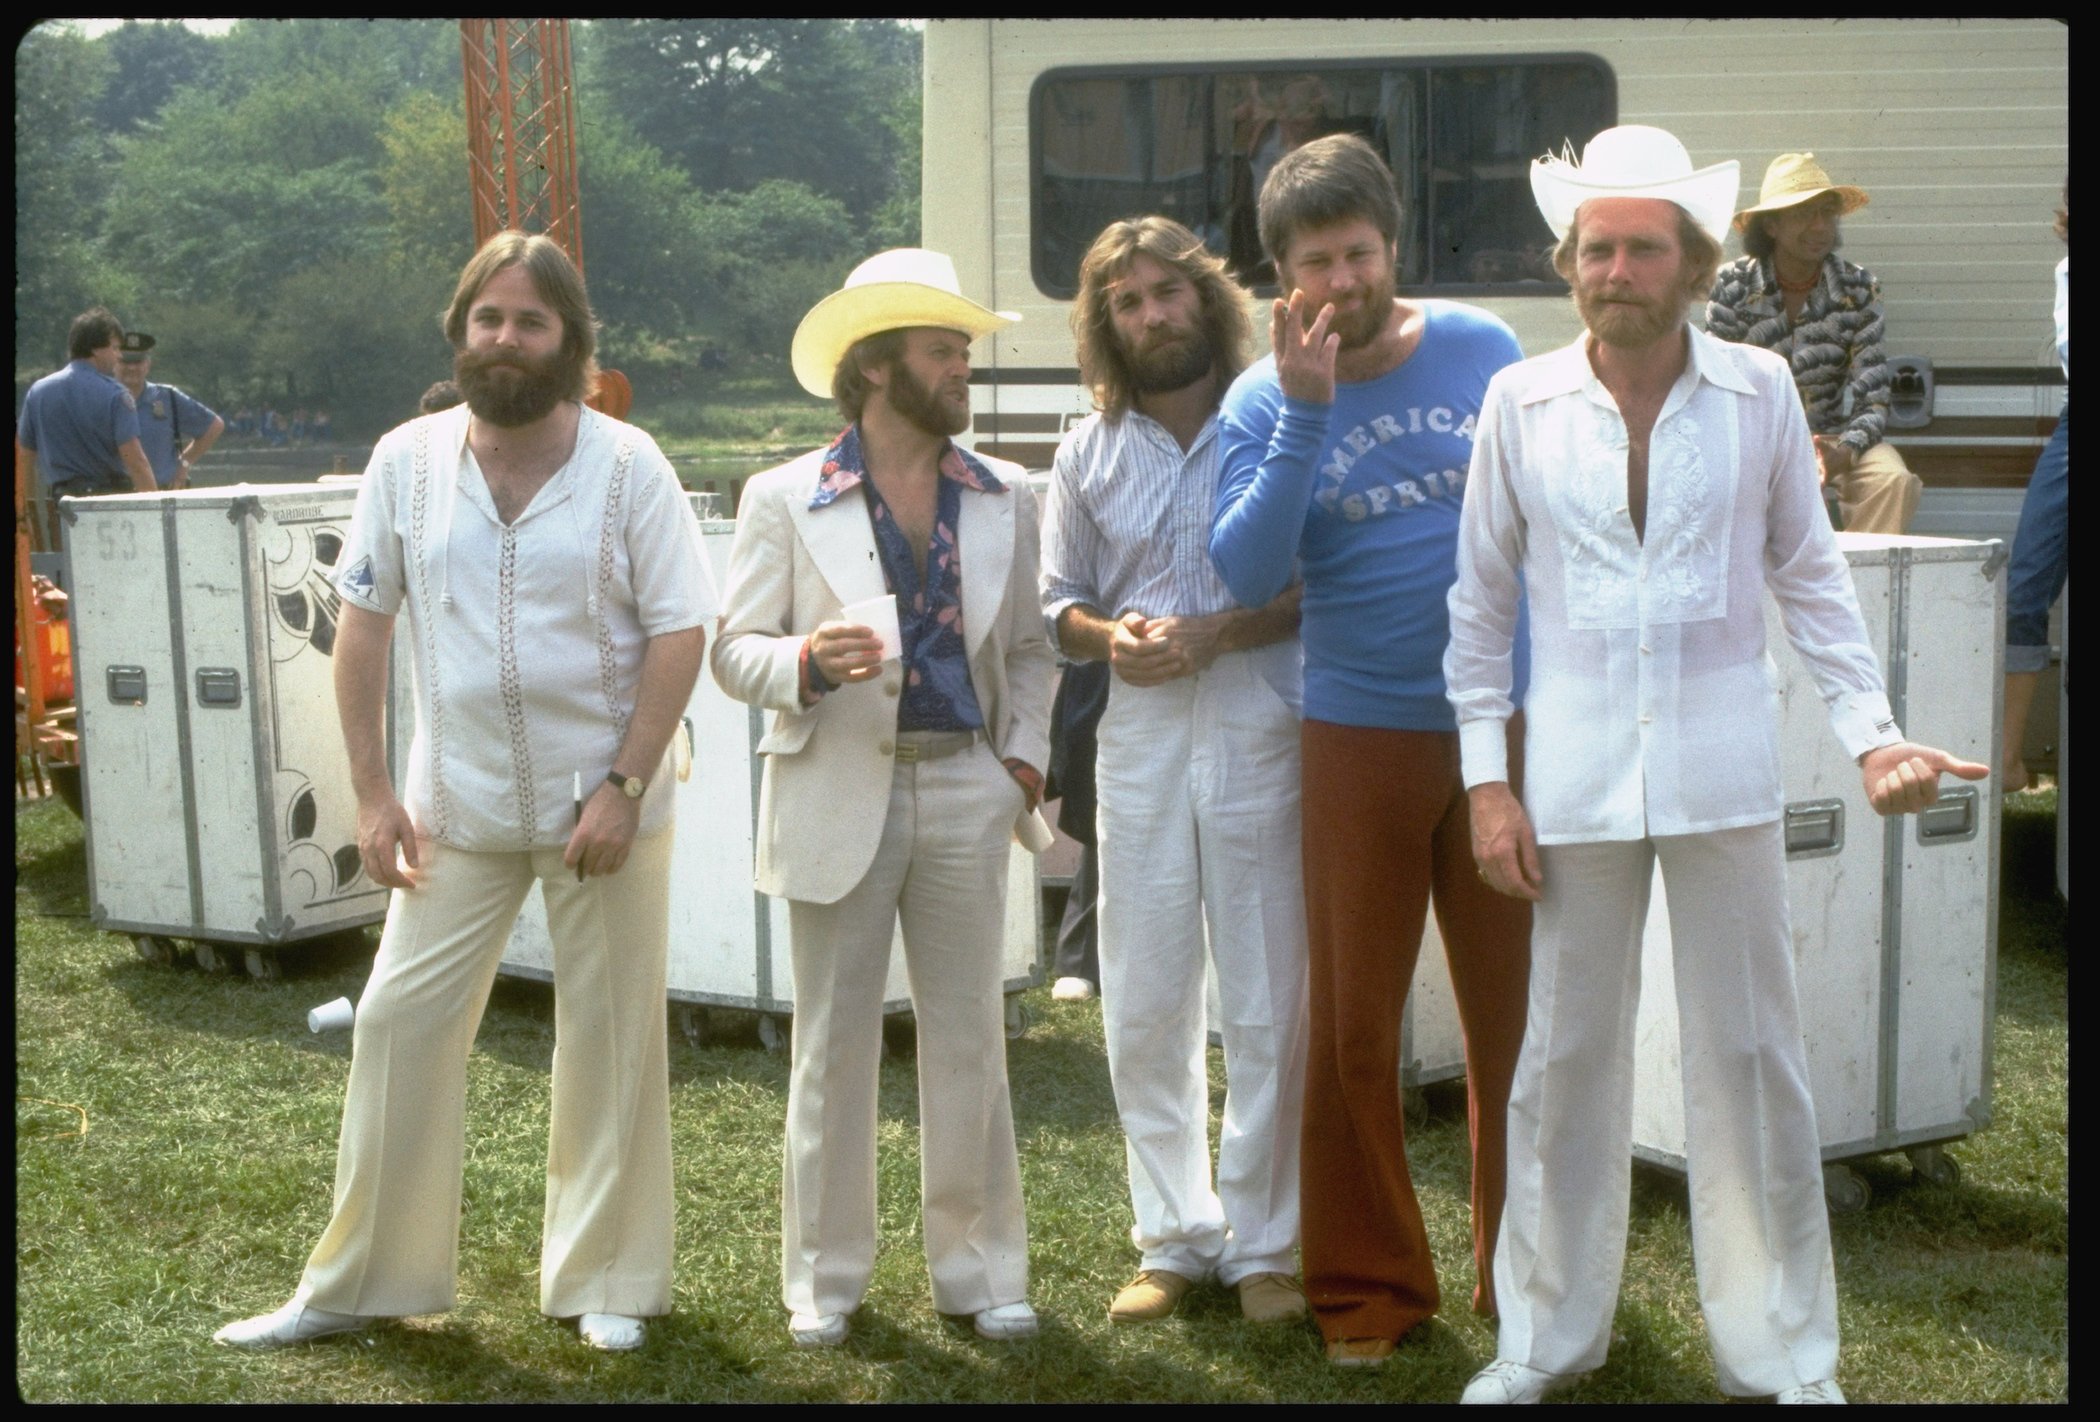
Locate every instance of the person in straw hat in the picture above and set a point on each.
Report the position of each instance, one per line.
(1645, 486)
(1792, 294)
(881, 603)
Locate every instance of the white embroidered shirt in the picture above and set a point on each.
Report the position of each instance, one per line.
(528, 637)
(1653, 703)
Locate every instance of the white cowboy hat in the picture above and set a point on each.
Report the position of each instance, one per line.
(906, 286)
(1634, 160)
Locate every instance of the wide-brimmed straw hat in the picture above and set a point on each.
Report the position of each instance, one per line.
(906, 286)
(1793, 179)
(1635, 160)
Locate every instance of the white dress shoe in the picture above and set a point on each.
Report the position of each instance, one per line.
(1506, 1381)
(1014, 1320)
(294, 1323)
(811, 1331)
(1825, 1391)
(1072, 990)
(612, 1332)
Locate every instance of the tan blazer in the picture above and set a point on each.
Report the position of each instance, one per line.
(828, 767)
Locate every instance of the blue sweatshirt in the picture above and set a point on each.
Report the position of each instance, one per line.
(1363, 495)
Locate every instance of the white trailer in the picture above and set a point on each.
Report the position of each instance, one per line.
(1038, 132)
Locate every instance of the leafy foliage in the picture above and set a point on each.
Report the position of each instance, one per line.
(286, 205)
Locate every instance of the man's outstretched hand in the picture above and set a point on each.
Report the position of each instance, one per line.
(1904, 778)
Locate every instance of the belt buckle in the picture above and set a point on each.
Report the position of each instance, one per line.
(906, 751)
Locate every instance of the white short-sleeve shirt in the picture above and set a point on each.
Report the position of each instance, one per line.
(528, 637)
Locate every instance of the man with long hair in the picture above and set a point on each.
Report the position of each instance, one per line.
(1345, 455)
(1645, 487)
(557, 602)
(1196, 777)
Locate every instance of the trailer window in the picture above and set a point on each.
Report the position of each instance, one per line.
(1195, 145)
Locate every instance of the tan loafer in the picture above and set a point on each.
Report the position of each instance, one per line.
(1152, 1295)
(1271, 1298)
(1359, 1352)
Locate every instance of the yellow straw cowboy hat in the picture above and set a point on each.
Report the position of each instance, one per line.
(1634, 160)
(1793, 179)
(906, 286)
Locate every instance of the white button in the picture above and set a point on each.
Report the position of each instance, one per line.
(1644, 651)
(1646, 719)
(889, 688)
(887, 749)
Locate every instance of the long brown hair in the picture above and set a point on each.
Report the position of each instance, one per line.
(1102, 366)
(558, 283)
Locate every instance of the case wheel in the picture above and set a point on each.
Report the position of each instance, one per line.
(1934, 1166)
(690, 1018)
(1414, 1107)
(1017, 1018)
(213, 958)
(154, 948)
(263, 964)
(1844, 1191)
(773, 1033)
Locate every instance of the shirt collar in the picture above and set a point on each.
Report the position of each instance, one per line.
(1567, 370)
(844, 466)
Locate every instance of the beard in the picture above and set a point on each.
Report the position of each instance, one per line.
(1170, 364)
(512, 390)
(1362, 326)
(923, 406)
(1631, 323)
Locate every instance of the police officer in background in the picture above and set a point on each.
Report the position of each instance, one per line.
(80, 423)
(166, 414)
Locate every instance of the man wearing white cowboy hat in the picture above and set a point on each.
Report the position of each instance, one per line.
(1645, 486)
(900, 762)
(1792, 294)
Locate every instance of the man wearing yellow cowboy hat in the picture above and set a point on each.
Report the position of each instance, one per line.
(1792, 294)
(1645, 487)
(882, 605)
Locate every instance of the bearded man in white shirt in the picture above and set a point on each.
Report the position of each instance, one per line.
(1648, 484)
(557, 602)
(1197, 778)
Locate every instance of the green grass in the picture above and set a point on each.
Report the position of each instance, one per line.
(205, 1173)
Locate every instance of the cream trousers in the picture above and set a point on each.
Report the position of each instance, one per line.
(940, 874)
(1199, 843)
(392, 1246)
(1760, 1234)
(1878, 494)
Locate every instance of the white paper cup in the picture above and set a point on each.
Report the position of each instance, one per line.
(880, 615)
(331, 1016)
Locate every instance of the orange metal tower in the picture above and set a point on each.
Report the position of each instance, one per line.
(521, 129)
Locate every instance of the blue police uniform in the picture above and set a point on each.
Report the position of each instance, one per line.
(74, 421)
(168, 420)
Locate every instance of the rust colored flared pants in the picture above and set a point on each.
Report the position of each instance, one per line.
(1386, 833)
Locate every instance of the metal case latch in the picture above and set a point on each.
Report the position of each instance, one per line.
(1814, 828)
(127, 686)
(1950, 819)
(218, 686)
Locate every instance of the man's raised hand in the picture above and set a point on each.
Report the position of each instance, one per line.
(1304, 357)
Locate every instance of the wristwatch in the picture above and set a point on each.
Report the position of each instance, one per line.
(631, 786)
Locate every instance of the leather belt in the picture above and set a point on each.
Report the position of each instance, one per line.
(933, 745)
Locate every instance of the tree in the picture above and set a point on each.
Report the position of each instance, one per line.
(61, 174)
(770, 255)
(152, 61)
(736, 102)
(430, 212)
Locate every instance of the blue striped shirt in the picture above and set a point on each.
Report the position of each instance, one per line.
(1127, 526)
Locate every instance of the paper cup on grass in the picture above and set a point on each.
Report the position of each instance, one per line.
(331, 1016)
(879, 614)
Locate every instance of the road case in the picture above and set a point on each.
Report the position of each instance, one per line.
(1894, 921)
(216, 787)
(729, 944)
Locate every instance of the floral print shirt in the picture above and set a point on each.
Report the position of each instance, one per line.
(937, 693)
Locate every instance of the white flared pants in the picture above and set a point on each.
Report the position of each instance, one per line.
(1199, 840)
(392, 1246)
(940, 874)
(1760, 1233)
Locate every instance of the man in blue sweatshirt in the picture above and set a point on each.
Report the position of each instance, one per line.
(1344, 458)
